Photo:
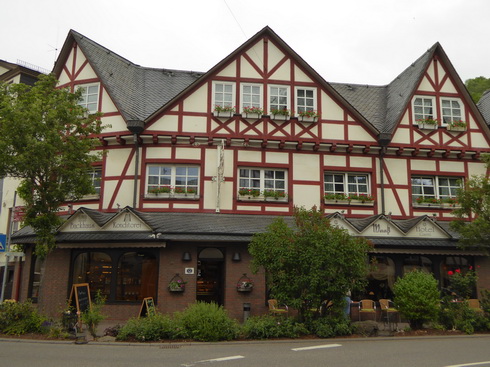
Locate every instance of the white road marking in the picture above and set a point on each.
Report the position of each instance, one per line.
(222, 359)
(470, 364)
(317, 347)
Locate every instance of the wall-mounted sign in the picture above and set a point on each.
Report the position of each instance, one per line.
(3, 242)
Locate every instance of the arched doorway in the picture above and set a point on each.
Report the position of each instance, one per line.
(210, 275)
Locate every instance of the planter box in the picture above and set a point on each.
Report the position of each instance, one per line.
(176, 290)
(456, 128)
(307, 119)
(223, 114)
(250, 198)
(280, 117)
(167, 195)
(335, 202)
(450, 206)
(428, 126)
(361, 203)
(427, 205)
(243, 289)
(273, 199)
(252, 116)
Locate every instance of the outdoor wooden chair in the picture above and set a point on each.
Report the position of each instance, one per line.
(275, 309)
(389, 314)
(367, 306)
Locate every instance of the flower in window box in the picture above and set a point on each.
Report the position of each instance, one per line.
(428, 123)
(363, 198)
(249, 192)
(449, 202)
(160, 190)
(176, 284)
(251, 111)
(428, 200)
(223, 111)
(278, 113)
(245, 284)
(275, 194)
(335, 197)
(308, 116)
(457, 125)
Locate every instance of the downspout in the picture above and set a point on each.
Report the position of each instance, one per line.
(136, 127)
(384, 139)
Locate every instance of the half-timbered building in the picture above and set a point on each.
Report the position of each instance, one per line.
(196, 163)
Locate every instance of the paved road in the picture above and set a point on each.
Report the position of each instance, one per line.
(464, 351)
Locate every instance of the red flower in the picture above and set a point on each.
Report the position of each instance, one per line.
(458, 270)
(450, 272)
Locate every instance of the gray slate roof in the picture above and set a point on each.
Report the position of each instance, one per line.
(137, 91)
(484, 106)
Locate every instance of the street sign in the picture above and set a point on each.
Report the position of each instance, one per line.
(3, 242)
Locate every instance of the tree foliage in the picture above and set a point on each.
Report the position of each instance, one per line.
(477, 86)
(474, 200)
(417, 297)
(46, 140)
(311, 263)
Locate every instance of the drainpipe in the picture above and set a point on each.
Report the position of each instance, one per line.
(136, 127)
(384, 139)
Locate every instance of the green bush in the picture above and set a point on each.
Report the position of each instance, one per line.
(93, 316)
(207, 322)
(17, 318)
(329, 327)
(266, 327)
(417, 298)
(458, 316)
(151, 328)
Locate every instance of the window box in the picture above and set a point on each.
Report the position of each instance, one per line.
(223, 114)
(274, 199)
(250, 198)
(185, 196)
(279, 117)
(451, 127)
(362, 203)
(336, 202)
(450, 206)
(251, 116)
(308, 118)
(427, 205)
(426, 126)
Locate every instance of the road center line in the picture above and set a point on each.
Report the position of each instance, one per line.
(317, 347)
(222, 359)
(470, 364)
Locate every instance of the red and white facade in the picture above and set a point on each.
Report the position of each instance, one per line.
(186, 144)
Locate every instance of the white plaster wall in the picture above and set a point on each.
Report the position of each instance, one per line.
(107, 104)
(194, 124)
(158, 153)
(423, 165)
(306, 167)
(274, 56)
(359, 133)
(333, 131)
(230, 70)
(249, 156)
(300, 76)
(116, 160)
(330, 109)
(283, 73)
(198, 100)
(398, 170)
(256, 53)
(307, 195)
(275, 157)
(335, 160)
(452, 166)
(115, 124)
(361, 162)
(188, 153)
(165, 123)
(247, 70)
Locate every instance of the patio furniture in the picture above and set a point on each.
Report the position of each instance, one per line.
(388, 313)
(275, 309)
(367, 306)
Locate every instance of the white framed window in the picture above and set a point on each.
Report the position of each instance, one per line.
(434, 187)
(251, 95)
(423, 108)
(223, 94)
(279, 97)
(177, 178)
(90, 97)
(96, 178)
(262, 179)
(346, 183)
(305, 99)
(451, 110)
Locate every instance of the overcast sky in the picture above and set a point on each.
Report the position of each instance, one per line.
(354, 41)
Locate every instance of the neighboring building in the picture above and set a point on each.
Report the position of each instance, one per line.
(131, 239)
(11, 73)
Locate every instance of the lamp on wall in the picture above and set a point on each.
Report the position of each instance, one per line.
(186, 256)
(236, 257)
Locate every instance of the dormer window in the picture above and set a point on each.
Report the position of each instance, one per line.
(278, 98)
(224, 94)
(452, 110)
(423, 108)
(90, 97)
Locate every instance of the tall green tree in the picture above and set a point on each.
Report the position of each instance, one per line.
(477, 86)
(474, 200)
(310, 263)
(46, 141)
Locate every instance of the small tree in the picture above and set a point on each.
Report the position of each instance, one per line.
(311, 263)
(46, 141)
(474, 200)
(417, 297)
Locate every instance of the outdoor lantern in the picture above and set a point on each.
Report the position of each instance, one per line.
(236, 257)
(186, 256)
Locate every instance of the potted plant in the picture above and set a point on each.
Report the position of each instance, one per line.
(177, 284)
(449, 203)
(361, 199)
(252, 112)
(339, 198)
(271, 195)
(308, 116)
(457, 125)
(161, 191)
(223, 111)
(280, 114)
(249, 194)
(428, 123)
(244, 284)
(428, 201)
